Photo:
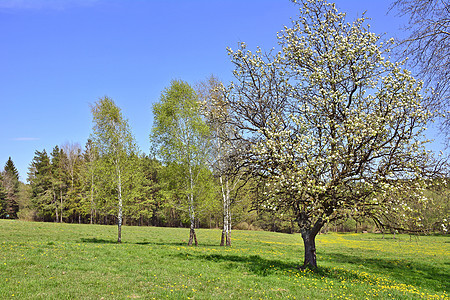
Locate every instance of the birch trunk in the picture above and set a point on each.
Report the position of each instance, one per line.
(61, 198)
(192, 235)
(226, 232)
(92, 198)
(119, 216)
(228, 215)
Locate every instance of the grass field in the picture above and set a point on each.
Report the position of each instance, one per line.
(68, 261)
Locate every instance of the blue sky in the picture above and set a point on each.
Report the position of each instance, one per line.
(59, 56)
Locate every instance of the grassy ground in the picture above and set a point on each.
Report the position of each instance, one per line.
(68, 261)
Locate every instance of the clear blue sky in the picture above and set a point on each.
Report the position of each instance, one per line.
(59, 56)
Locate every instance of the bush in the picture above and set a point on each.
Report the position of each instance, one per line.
(241, 226)
(26, 214)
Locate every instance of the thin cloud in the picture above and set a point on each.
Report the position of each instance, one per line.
(25, 139)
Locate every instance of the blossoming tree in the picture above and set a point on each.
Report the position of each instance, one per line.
(333, 127)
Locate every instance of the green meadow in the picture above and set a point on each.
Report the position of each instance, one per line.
(71, 261)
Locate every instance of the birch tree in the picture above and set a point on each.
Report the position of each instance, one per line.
(214, 108)
(113, 140)
(180, 137)
(90, 157)
(332, 125)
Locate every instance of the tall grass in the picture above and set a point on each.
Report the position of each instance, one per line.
(68, 261)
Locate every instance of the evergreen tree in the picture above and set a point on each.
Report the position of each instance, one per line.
(40, 180)
(143, 204)
(59, 186)
(11, 169)
(11, 185)
(2, 198)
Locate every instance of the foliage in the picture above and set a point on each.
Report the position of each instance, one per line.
(26, 210)
(225, 170)
(145, 181)
(2, 199)
(325, 132)
(180, 138)
(117, 158)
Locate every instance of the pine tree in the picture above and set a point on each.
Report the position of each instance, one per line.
(2, 198)
(11, 185)
(40, 180)
(11, 169)
(59, 185)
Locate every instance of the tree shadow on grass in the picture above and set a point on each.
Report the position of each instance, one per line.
(251, 264)
(183, 244)
(402, 271)
(98, 241)
(103, 241)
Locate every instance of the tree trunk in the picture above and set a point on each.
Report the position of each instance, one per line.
(92, 198)
(309, 242)
(310, 250)
(56, 206)
(225, 219)
(61, 196)
(226, 238)
(192, 235)
(119, 216)
(222, 239)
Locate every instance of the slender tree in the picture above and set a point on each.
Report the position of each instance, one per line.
(116, 151)
(72, 165)
(180, 138)
(223, 146)
(89, 177)
(333, 127)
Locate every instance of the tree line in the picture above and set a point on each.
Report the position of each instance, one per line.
(323, 129)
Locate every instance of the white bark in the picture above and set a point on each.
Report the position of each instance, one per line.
(119, 216)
